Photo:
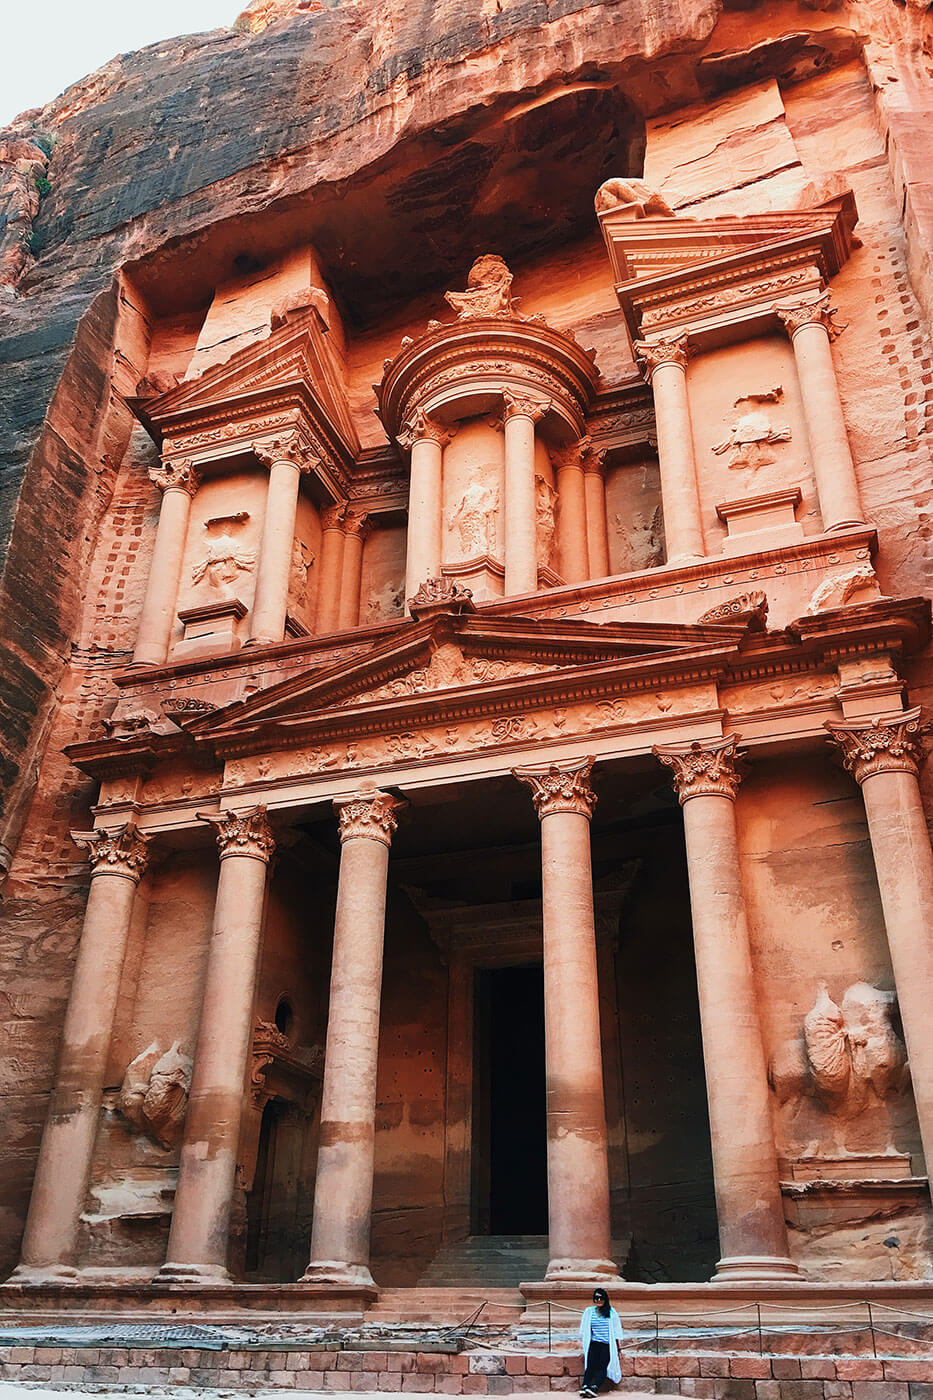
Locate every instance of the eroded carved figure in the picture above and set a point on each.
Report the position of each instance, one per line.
(617, 193)
(545, 520)
(302, 559)
(223, 560)
(475, 519)
(753, 435)
(154, 1094)
(387, 602)
(488, 290)
(848, 1055)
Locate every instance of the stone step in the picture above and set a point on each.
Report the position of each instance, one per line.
(446, 1306)
(488, 1260)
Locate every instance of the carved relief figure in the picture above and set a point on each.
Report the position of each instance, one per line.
(848, 1056)
(224, 557)
(545, 520)
(488, 290)
(475, 519)
(387, 602)
(617, 193)
(642, 540)
(753, 435)
(302, 559)
(154, 1094)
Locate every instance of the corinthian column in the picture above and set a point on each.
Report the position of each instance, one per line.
(810, 328)
(118, 860)
(577, 1160)
(287, 460)
(343, 1190)
(197, 1246)
(178, 482)
(521, 545)
(884, 755)
(356, 527)
(752, 1233)
(665, 364)
(597, 530)
(426, 439)
(571, 510)
(328, 588)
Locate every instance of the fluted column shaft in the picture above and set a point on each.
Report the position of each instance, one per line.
(327, 612)
(571, 512)
(577, 1157)
(197, 1246)
(885, 757)
(810, 328)
(521, 544)
(287, 461)
(178, 482)
(597, 529)
(118, 860)
(356, 529)
(666, 366)
(750, 1209)
(343, 1188)
(424, 543)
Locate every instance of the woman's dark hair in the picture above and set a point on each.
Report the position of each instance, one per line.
(603, 1307)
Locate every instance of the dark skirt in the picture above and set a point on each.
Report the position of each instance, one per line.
(597, 1364)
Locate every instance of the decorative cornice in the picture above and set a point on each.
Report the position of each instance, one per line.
(288, 449)
(421, 427)
(246, 833)
(561, 787)
(524, 406)
(809, 313)
(881, 745)
(703, 769)
(120, 852)
(655, 353)
(371, 816)
(176, 475)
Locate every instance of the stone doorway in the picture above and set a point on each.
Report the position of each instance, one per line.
(509, 1186)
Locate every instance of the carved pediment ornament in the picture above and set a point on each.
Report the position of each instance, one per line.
(524, 406)
(705, 769)
(561, 787)
(420, 427)
(441, 595)
(176, 475)
(270, 1045)
(370, 815)
(749, 609)
(655, 353)
(881, 745)
(246, 833)
(120, 852)
(810, 313)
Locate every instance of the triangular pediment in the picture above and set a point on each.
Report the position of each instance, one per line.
(452, 658)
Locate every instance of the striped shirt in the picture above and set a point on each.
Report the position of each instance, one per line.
(599, 1327)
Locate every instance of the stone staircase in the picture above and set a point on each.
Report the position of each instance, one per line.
(446, 1307)
(488, 1261)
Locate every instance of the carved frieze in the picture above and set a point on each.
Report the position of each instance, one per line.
(121, 852)
(890, 745)
(560, 787)
(703, 769)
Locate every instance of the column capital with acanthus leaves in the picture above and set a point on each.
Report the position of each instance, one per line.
(370, 815)
(881, 745)
(524, 406)
(289, 449)
(246, 833)
(176, 474)
(809, 313)
(421, 427)
(121, 852)
(705, 768)
(653, 354)
(560, 787)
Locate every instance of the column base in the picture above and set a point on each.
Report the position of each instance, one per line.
(580, 1270)
(43, 1273)
(838, 525)
(337, 1271)
(756, 1268)
(193, 1273)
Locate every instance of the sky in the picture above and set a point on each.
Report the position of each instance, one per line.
(50, 44)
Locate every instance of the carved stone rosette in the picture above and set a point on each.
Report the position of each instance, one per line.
(524, 406)
(705, 769)
(284, 449)
(561, 787)
(809, 313)
(371, 816)
(178, 475)
(246, 833)
(654, 353)
(421, 427)
(120, 852)
(881, 745)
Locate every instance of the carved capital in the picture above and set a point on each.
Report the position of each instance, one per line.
(561, 787)
(120, 852)
(593, 457)
(246, 833)
(881, 745)
(177, 475)
(809, 313)
(571, 456)
(420, 427)
(333, 517)
(371, 816)
(703, 769)
(524, 406)
(357, 522)
(655, 353)
(288, 449)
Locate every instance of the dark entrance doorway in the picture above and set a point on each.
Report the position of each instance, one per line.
(510, 1188)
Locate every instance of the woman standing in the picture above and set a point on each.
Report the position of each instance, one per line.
(601, 1335)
